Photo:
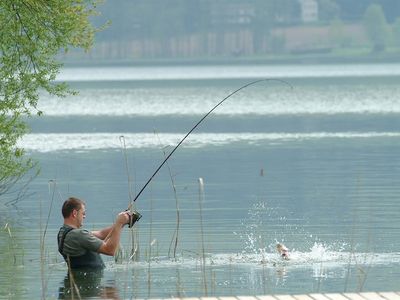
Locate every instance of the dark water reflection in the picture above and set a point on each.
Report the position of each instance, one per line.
(87, 284)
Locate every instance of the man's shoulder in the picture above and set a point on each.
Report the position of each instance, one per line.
(75, 233)
(80, 232)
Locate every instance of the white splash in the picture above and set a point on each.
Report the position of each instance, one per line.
(319, 256)
(259, 100)
(50, 142)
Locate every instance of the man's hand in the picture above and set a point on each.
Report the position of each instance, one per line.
(111, 242)
(122, 218)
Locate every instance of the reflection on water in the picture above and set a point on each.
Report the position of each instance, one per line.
(111, 141)
(87, 284)
(263, 99)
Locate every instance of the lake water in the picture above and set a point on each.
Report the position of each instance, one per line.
(314, 166)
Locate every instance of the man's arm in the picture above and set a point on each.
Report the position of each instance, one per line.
(111, 240)
(102, 233)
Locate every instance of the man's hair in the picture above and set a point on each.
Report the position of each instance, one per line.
(70, 204)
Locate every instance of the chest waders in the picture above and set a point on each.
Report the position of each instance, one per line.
(89, 260)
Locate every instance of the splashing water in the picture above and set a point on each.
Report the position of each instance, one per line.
(319, 255)
(253, 240)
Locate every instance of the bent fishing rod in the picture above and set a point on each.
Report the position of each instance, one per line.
(193, 128)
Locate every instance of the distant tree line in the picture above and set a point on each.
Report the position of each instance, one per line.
(165, 18)
(155, 18)
(176, 28)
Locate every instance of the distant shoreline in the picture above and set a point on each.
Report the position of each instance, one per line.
(301, 59)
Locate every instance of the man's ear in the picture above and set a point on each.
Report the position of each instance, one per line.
(74, 213)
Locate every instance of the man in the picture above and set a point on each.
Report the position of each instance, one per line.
(81, 248)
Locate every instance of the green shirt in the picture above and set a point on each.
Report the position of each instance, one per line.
(78, 241)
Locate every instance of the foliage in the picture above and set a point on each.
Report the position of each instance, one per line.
(376, 27)
(338, 34)
(354, 10)
(32, 34)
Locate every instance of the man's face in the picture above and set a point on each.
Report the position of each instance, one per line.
(80, 216)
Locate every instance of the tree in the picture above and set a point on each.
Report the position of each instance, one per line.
(376, 27)
(338, 34)
(32, 34)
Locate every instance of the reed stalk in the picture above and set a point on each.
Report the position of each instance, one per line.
(203, 255)
(175, 236)
(42, 237)
(179, 293)
(42, 259)
(230, 276)
(151, 242)
(12, 248)
(362, 272)
(352, 254)
(72, 285)
(213, 282)
(135, 253)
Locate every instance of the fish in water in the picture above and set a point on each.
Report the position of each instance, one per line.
(283, 251)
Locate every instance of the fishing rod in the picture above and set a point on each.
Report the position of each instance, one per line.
(136, 214)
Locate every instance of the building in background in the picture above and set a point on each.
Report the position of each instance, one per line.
(309, 11)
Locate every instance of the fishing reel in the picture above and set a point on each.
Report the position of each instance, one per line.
(134, 216)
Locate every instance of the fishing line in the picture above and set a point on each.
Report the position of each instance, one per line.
(200, 121)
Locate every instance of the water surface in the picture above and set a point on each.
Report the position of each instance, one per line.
(314, 166)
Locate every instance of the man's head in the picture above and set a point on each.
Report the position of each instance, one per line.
(74, 211)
